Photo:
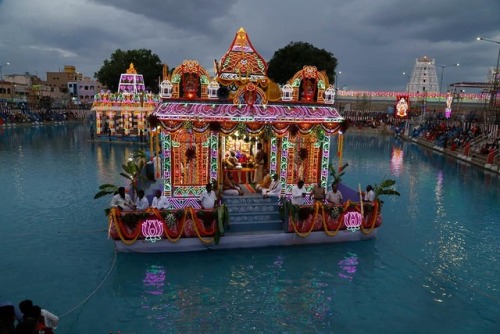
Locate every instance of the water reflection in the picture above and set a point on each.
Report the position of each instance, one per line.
(348, 266)
(397, 160)
(154, 280)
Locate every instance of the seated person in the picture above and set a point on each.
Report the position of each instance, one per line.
(232, 161)
(160, 201)
(266, 181)
(230, 187)
(298, 193)
(122, 200)
(369, 196)
(334, 196)
(274, 189)
(218, 193)
(208, 198)
(141, 202)
(318, 193)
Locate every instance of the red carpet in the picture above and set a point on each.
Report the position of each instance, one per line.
(248, 188)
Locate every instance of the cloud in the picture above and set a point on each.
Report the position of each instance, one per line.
(374, 41)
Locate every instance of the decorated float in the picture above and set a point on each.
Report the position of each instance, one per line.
(123, 115)
(201, 121)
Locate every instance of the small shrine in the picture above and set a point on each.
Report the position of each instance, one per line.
(123, 115)
(210, 127)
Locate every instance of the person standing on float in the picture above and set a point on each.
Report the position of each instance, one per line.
(260, 161)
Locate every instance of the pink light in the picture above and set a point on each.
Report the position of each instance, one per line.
(152, 229)
(352, 221)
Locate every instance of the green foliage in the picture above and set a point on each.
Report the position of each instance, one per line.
(385, 188)
(106, 189)
(337, 176)
(145, 63)
(293, 57)
(131, 171)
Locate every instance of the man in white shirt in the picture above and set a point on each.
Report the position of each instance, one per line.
(122, 200)
(298, 193)
(159, 201)
(208, 198)
(274, 189)
(334, 196)
(141, 202)
(369, 195)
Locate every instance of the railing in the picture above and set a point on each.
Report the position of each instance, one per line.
(492, 157)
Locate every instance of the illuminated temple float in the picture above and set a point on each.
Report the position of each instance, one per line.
(201, 120)
(123, 115)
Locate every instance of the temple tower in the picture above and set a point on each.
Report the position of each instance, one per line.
(423, 77)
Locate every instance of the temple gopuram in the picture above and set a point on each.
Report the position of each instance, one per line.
(205, 128)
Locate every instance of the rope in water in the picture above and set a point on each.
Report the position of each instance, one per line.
(95, 290)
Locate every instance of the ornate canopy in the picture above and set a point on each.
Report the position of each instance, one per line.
(242, 63)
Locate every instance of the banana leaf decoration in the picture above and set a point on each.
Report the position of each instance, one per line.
(385, 188)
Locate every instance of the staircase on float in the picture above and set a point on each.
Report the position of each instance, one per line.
(253, 213)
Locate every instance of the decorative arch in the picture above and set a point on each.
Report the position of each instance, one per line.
(250, 94)
(309, 85)
(190, 80)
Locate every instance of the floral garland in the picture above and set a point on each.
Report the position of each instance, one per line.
(190, 210)
(114, 218)
(374, 216)
(333, 231)
(300, 233)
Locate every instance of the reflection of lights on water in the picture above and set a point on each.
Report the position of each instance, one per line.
(348, 266)
(439, 193)
(155, 279)
(397, 160)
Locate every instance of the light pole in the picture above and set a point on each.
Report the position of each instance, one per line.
(337, 88)
(442, 74)
(336, 83)
(495, 78)
(1, 70)
(408, 84)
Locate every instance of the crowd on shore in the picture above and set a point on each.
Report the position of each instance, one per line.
(455, 136)
(23, 115)
(26, 318)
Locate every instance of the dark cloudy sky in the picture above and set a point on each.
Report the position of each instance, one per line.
(373, 40)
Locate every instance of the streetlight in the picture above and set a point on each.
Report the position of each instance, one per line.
(495, 78)
(337, 88)
(336, 83)
(1, 72)
(442, 73)
(408, 84)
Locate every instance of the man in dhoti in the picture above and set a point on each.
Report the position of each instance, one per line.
(274, 189)
(260, 161)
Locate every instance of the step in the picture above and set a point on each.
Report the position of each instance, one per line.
(253, 213)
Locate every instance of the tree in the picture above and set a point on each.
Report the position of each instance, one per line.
(293, 57)
(145, 63)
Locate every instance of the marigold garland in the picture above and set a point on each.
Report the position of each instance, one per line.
(374, 215)
(113, 218)
(195, 220)
(317, 205)
(176, 238)
(340, 221)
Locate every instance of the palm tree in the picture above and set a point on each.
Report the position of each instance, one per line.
(132, 171)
